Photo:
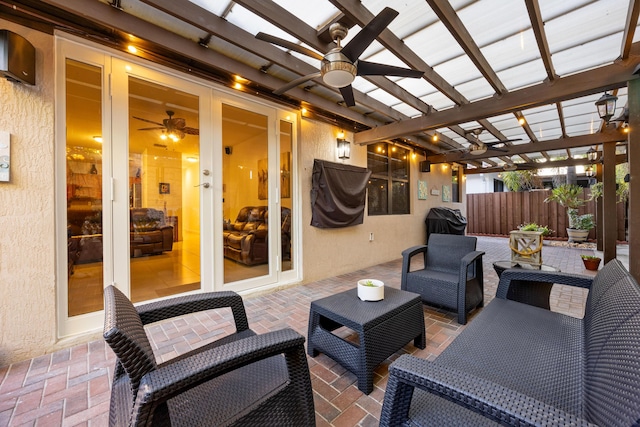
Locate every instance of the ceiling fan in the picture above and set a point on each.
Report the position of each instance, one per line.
(478, 147)
(340, 66)
(172, 128)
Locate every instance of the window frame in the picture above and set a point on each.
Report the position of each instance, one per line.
(393, 156)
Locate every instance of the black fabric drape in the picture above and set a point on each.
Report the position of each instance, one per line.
(337, 194)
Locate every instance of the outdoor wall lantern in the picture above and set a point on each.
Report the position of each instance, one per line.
(606, 106)
(592, 155)
(344, 150)
(589, 171)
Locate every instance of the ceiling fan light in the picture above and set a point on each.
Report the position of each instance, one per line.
(478, 150)
(336, 69)
(509, 167)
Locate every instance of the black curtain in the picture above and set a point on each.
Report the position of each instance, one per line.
(338, 194)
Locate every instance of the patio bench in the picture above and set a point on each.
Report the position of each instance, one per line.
(517, 364)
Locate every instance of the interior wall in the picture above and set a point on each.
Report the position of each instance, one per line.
(330, 252)
(27, 217)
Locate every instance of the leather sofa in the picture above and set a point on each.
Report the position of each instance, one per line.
(149, 234)
(246, 239)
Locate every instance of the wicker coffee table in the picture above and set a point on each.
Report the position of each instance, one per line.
(383, 327)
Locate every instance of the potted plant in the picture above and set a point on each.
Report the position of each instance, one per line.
(591, 262)
(569, 197)
(532, 226)
(370, 290)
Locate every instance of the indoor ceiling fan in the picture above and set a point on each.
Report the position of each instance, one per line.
(172, 128)
(340, 66)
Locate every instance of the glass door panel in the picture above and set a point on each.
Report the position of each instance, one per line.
(286, 210)
(245, 166)
(164, 197)
(84, 168)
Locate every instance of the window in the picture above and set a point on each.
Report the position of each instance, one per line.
(455, 187)
(388, 188)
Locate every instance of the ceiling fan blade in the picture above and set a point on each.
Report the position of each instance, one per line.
(191, 131)
(366, 68)
(368, 34)
(288, 45)
(146, 120)
(153, 128)
(502, 141)
(347, 95)
(296, 82)
(502, 149)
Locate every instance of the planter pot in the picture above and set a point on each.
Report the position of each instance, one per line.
(577, 235)
(591, 264)
(370, 293)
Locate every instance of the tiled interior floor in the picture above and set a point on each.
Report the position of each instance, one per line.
(71, 387)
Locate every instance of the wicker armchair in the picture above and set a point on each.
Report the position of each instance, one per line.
(242, 379)
(452, 276)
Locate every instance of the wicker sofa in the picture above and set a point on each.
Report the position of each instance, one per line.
(517, 364)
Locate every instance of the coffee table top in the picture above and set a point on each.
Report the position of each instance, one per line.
(349, 310)
(503, 265)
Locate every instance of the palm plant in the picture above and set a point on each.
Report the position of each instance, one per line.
(569, 196)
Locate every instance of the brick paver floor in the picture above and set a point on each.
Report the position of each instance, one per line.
(71, 387)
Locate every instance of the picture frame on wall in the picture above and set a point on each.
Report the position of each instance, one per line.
(164, 188)
(423, 190)
(446, 193)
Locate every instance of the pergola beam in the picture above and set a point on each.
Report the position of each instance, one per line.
(608, 77)
(620, 158)
(609, 135)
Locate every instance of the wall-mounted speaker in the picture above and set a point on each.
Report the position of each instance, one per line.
(17, 58)
(228, 149)
(425, 166)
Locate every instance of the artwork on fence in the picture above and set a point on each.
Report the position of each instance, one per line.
(422, 190)
(446, 193)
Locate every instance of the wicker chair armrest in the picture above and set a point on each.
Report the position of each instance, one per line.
(540, 276)
(491, 400)
(179, 306)
(407, 255)
(414, 250)
(467, 260)
(172, 379)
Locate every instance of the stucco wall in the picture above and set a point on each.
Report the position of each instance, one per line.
(27, 243)
(330, 252)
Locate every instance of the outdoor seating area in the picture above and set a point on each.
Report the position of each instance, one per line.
(73, 386)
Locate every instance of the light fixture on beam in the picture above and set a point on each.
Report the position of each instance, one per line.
(592, 155)
(606, 106)
(589, 171)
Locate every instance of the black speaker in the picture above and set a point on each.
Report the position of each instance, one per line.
(17, 58)
(425, 166)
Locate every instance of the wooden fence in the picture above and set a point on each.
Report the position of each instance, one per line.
(500, 213)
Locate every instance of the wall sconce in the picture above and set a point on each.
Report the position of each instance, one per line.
(606, 106)
(344, 149)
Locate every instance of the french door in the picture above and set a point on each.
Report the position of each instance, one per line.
(166, 186)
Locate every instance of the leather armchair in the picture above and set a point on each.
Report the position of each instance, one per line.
(246, 239)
